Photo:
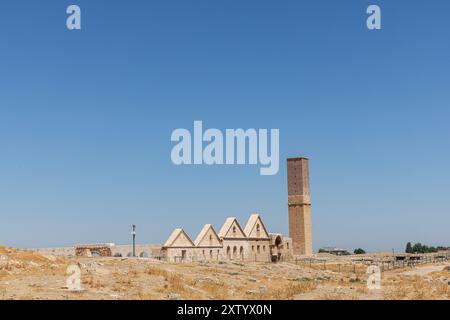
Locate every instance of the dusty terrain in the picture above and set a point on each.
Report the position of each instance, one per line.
(30, 275)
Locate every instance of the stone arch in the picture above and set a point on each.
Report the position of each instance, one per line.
(144, 254)
(88, 253)
(278, 241)
(234, 252)
(95, 253)
(241, 252)
(228, 252)
(96, 250)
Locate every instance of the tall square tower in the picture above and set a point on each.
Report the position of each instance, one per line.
(299, 203)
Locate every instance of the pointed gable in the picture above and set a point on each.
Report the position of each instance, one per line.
(179, 238)
(231, 229)
(208, 237)
(255, 228)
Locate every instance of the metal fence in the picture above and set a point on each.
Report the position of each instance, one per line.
(351, 264)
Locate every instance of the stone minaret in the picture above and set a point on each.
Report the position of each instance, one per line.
(299, 206)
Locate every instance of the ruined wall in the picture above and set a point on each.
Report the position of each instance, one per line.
(142, 250)
(93, 250)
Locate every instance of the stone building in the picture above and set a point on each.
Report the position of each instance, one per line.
(232, 243)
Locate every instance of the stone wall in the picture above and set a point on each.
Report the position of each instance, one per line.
(101, 250)
(142, 250)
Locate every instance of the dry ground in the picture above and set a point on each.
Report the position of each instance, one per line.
(29, 275)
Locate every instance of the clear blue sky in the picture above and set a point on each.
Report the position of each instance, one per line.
(86, 118)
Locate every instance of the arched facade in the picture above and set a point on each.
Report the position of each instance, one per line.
(232, 242)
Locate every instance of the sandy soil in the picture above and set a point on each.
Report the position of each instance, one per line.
(30, 275)
(423, 271)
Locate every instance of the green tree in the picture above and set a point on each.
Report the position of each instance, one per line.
(409, 248)
(359, 251)
(420, 248)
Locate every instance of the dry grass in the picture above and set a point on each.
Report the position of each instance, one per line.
(93, 282)
(295, 289)
(417, 288)
(288, 292)
(344, 267)
(154, 271)
(33, 276)
(216, 291)
(146, 295)
(176, 283)
(339, 296)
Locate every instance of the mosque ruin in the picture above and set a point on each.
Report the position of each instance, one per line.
(253, 242)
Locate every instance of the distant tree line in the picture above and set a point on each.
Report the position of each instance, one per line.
(341, 252)
(421, 248)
